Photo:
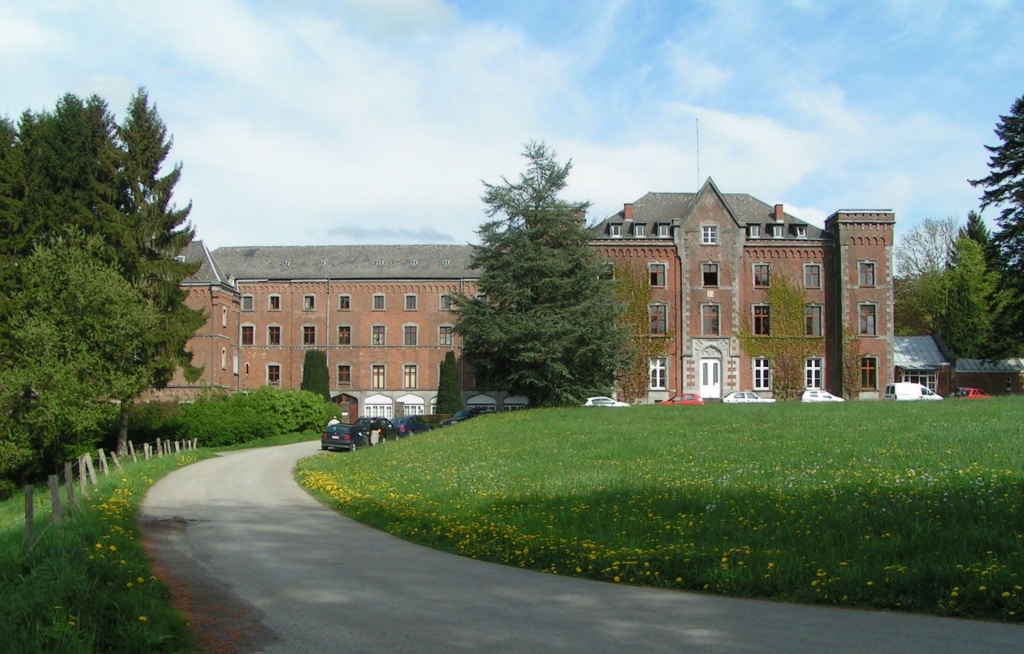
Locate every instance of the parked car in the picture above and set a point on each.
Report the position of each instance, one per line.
(969, 393)
(408, 425)
(684, 398)
(603, 401)
(816, 395)
(341, 436)
(909, 391)
(466, 414)
(367, 425)
(746, 397)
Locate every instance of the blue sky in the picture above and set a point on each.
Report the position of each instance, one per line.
(316, 122)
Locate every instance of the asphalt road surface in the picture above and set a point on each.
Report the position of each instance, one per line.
(264, 567)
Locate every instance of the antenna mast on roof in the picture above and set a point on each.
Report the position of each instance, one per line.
(697, 127)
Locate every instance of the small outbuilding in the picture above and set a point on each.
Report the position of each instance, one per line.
(999, 377)
(923, 360)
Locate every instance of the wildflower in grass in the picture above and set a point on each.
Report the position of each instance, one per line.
(981, 588)
(1006, 594)
(142, 618)
(113, 548)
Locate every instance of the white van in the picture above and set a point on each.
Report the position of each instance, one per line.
(909, 391)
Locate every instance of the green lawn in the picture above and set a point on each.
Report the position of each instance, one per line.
(911, 506)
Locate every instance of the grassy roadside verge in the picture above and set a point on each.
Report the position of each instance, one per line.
(902, 506)
(86, 585)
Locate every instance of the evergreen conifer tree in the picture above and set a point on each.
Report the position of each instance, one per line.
(314, 374)
(449, 395)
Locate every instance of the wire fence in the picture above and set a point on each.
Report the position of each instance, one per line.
(82, 472)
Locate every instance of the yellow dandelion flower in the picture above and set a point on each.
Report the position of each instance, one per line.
(142, 618)
(981, 588)
(112, 548)
(1006, 594)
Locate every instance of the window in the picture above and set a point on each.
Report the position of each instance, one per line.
(616, 230)
(246, 303)
(928, 378)
(762, 375)
(659, 319)
(812, 275)
(709, 319)
(445, 335)
(658, 374)
(409, 376)
(657, 271)
(812, 373)
(273, 375)
(813, 320)
(223, 359)
(868, 326)
(248, 335)
(709, 274)
(753, 231)
(778, 231)
(378, 302)
(410, 302)
(308, 302)
(638, 231)
(345, 376)
(309, 334)
(344, 335)
(274, 302)
(273, 335)
(762, 320)
(411, 334)
(762, 275)
(377, 376)
(224, 317)
(378, 336)
(663, 230)
(446, 302)
(709, 235)
(869, 373)
(866, 273)
(801, 231)
(344, 303)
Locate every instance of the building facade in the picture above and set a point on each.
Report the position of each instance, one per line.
(382, 313)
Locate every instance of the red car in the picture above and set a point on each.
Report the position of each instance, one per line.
(971, 393)
(684, 398)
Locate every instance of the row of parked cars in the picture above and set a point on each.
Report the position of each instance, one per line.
(896, 391)
(365, 432)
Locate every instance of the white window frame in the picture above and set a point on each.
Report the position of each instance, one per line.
(658, 379)
(762, 374)
(814, 370)
(616, 231)
(709, 234)
(928, 378)
(663, 230)
(639, 230)
(753, 231)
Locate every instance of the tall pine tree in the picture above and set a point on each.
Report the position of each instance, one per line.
(544, 324)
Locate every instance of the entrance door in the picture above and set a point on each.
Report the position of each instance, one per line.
(710, 378)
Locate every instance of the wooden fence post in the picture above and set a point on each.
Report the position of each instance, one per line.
(30, 516)
(103, 462)
(131, 450)
(54, 483)
(113, 457)
(159, 448)
(195, 443)
(81, 475)
(69, 483)
(177, 447)
(92, 470)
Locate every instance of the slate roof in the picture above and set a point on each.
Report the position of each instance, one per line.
(208, 272)
(981, 365)
(917, 353)
(662, 208)
(346, 262)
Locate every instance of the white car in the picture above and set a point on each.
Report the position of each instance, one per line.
(814, 395)
(603, 401)
(746, 397)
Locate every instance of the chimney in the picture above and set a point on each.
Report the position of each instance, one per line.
(627, 211)
(779, 216)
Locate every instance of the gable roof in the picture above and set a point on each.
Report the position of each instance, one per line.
(981, 365)
(677, 207)
(208, 272)
(346, 262)
(917, 353)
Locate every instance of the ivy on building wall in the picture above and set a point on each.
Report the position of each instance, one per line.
(634, 290)
(786, 344)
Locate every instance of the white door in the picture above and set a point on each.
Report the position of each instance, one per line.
(710, 378)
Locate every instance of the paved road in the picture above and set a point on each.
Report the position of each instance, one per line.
(292, 576)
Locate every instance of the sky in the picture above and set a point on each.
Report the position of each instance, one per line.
(335, 122)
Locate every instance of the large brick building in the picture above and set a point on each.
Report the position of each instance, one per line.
(381, 313)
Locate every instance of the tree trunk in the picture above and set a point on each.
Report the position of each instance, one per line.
(122, 429)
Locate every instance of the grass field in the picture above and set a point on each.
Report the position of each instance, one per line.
(908, 506)
(86, 585)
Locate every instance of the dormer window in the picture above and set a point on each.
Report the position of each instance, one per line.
(380, 263)
(753, 231)
(663, 230)
(445, 263)
(638, 231)
(801, 231)
(615, 230)
(777, 231)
